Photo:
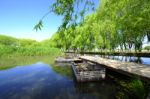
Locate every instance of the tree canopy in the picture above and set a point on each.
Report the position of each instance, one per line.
(116, 24)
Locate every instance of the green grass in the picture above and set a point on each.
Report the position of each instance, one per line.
(27, 51)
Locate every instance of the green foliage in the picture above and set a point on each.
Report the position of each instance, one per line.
(26, 42)
(115, 24)
(70, 10)
(7, 40)
(39, 25)
(147, 48)
(25, 47)
(134, 88)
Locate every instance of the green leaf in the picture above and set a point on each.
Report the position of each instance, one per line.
(38, 26)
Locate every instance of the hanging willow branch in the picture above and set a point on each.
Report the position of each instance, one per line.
(39, 25)
(70, 10)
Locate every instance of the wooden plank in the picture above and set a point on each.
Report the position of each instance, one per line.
(126, 68)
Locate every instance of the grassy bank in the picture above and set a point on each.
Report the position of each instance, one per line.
(10, 46)
(27, 51)
(15, 51)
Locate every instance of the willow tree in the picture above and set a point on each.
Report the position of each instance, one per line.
(116, 23)
(56, 41)
(73, 12)
(128, 20)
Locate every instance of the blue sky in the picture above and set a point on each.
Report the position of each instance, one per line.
(18, 17)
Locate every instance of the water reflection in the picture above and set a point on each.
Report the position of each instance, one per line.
(103, 89)
(41, 81)
(140, 60)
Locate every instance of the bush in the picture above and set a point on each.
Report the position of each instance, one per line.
(147, 48)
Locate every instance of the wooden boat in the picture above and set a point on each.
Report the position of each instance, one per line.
(86, 71)
(66, 60)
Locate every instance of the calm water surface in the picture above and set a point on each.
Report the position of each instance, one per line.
(140, 60)
(40, 81)
(44, 81)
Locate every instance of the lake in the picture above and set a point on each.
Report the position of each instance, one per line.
(42, 80)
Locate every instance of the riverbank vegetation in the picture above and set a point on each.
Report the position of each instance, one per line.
(17, 52)
(10, 46)
(23, 52)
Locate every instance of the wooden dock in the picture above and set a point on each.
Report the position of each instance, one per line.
(126, 68)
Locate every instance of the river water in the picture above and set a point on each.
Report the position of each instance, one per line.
(44, 81)
(40, 81)
(139, 60)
